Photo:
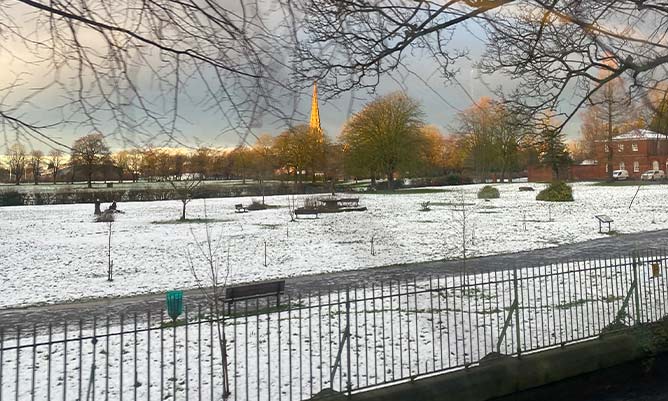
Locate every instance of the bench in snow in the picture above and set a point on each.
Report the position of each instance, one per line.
(303, 211)
(251, 291)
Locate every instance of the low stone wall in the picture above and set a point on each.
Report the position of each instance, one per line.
(502, 376)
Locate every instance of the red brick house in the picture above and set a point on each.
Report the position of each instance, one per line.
(635, 151)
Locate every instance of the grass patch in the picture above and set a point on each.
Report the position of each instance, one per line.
(191, 221)
(611, 233)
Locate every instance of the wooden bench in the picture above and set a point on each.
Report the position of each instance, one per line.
(349, 202)
(603, 219)
(307, 212)
(239, 208)
(250, 291)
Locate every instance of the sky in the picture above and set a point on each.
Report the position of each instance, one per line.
(200, 126)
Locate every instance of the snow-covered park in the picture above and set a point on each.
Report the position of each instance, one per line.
(58, 253)
(397, 332)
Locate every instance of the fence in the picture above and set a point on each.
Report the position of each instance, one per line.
(347, 340)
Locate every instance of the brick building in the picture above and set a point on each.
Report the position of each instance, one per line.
(635, 151)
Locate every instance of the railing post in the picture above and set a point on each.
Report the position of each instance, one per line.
(517, 312)
(638, 318)
(349, 384)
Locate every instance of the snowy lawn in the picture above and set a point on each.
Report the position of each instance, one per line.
(57, 253)
(397, 332)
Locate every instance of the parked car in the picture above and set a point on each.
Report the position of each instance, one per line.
(652, 175)
(620, 174)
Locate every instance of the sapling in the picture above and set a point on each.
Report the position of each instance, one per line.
(110, 263)
(212, 284)
(464, 225)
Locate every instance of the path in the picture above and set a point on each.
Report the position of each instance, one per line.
(140, 304)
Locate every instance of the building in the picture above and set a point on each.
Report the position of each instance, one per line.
(636, 151)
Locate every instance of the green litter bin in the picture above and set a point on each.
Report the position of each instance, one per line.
(174, 303)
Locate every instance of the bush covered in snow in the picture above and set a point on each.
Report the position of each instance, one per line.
(557, 191)
(488, 192)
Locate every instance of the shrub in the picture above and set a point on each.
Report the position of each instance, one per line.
(11, 198)
(557, 191)
(488, 192)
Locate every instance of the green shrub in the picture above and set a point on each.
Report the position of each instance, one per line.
(557, 191)
(488, 192)
(11, 198)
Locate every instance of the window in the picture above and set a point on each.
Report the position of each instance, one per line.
(634, 146)
(607, 149)
(655, 165)
(621, 166)
(636, 167)
(620, 147)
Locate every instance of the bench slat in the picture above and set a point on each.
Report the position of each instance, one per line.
(254, 290)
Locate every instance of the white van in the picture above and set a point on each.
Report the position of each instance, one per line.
(620, 175)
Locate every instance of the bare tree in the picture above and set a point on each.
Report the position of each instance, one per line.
(17, 162)
(106, 60)
(36, 157)
(184, 190)
(212, 281)
(55, 161)
(90, 151)
(552, 52)
(134, 163)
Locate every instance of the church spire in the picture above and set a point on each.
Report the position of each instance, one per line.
(315, 113)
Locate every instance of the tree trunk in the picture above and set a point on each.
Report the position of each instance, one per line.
(183, 213)
(90, 177)
(390, 181)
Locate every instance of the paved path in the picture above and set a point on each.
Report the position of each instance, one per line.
(140, 304)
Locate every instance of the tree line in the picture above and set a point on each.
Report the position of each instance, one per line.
(388, 138)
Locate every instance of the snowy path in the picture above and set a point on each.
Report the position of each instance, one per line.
(592, 249)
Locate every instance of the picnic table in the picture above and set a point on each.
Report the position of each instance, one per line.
(335, 203)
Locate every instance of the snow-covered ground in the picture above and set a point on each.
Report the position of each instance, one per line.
(396, 332)
(57, 253)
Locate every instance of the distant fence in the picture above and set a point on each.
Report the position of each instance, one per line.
(347, 340)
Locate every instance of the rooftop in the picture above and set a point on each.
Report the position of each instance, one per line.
(640, 134)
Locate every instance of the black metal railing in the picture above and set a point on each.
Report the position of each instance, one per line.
(347, 340)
